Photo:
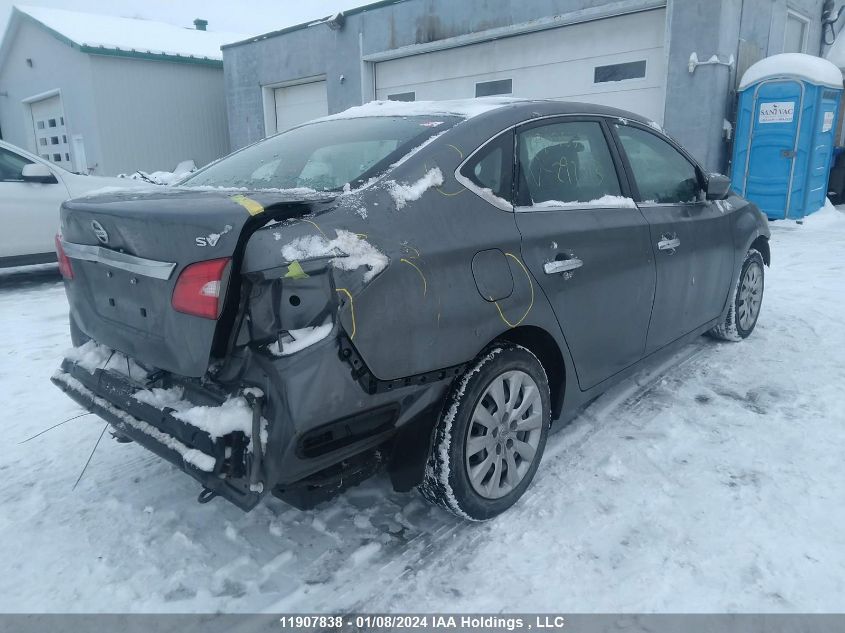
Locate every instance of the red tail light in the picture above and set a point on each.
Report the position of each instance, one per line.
(64, 261)
(199, 287)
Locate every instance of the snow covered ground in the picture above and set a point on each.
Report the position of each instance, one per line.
(710, 483)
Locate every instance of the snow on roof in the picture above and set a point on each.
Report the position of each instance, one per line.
(813, 69)
(458, 107)
(131, 35)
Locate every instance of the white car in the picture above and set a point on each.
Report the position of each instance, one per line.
(31, 191)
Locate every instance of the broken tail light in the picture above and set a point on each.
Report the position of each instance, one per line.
(65, 267)
(199, 287)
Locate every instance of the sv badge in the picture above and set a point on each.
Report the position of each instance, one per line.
(212, 238)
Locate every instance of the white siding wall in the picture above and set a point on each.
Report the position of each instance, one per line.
(153, 114)
(55, 65)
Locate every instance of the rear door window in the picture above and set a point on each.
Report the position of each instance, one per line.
(663, 175)
(564, 164)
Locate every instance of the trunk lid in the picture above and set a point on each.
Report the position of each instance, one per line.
(129, 248)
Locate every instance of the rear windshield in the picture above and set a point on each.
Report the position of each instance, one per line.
(325, 156)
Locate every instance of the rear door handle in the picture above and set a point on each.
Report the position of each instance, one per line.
(562, 265)
(668, 243)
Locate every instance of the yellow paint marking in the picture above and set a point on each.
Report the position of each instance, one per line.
(316, 226)
(425, 283)
(252, 206)
(351, 309)
(460, 153)
(439, 189)
(451, 193)
(530, 305)
(295, 272)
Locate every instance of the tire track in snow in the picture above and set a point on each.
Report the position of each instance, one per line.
(429, 549)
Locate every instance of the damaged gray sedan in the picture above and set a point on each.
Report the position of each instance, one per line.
(420, 288)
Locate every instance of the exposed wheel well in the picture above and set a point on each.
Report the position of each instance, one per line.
(762, 245)
(544, 347)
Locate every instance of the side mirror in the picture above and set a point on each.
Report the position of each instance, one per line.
(718, 187)
(36, 172)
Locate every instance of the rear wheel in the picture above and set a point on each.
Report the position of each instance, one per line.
(746, 301)
(489, 441)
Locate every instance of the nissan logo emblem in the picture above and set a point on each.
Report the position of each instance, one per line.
(100, 232)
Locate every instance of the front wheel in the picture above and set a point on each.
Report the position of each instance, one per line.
(489, 440)
(745, 302)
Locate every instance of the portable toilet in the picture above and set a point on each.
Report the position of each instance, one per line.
(786, 124)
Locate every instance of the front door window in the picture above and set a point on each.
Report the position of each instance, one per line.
(662, 173)
(11, 166)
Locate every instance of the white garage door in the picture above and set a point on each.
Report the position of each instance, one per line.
(300, 103)
(48, 123)
(616, 61)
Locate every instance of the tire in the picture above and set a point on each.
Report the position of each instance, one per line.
(745, 302)
(477, 486)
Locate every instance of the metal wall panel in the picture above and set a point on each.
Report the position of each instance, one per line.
(154, 114)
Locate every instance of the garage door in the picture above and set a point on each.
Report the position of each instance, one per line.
(48, 122)
(300, 103)
(616, 61)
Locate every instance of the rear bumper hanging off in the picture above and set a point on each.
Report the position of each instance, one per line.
(109, 395)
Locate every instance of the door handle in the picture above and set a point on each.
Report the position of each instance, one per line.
(669, 243)
(562, 265)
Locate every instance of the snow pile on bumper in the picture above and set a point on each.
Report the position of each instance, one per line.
(192, 456)
(233, 415)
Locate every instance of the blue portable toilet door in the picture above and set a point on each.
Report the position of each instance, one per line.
(770, 162)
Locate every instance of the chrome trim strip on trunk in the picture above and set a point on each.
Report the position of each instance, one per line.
(116, 259)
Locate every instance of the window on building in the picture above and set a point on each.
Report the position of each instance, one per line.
(403, 96)
(45, 156)
(67, 157)
(54, 140)
(795, 35)
(51, 123)
(57, 158)
(619, 72)
(40, 125)
(11, 165)
(491, 169)
(64, 138)
(565, 162)
(491, 88)
(42, 141)
(61, 120)
(662, 173)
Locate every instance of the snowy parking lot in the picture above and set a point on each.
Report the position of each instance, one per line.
(712, 482)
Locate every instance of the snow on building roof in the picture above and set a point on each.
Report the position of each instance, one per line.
(131, 35)
(794, 65)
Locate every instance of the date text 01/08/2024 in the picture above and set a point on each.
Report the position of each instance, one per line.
(427, 622)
